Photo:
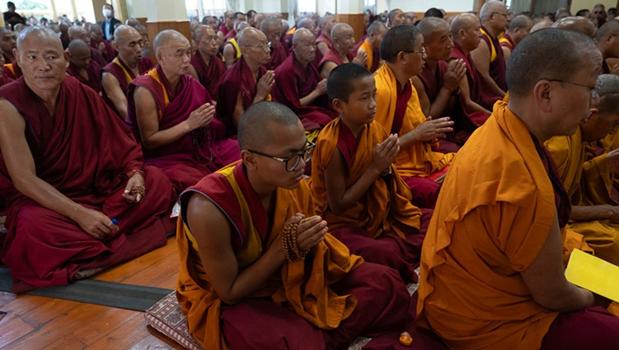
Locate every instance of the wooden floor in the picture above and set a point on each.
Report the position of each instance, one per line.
(35, 322)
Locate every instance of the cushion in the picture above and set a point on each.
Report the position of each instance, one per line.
(167, 318)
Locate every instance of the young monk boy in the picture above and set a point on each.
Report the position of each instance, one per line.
(355, 184)
(258, 271)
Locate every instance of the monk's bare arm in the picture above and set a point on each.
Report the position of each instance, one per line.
(506, 53)
(327, 67)
(466, 95)
(594, 212)
(546, 281)
(229, 54)
(481, 60)
(148, 122)
(115, 94)
(217, 255)
(323, 48)
(424, 100)
(321, 89)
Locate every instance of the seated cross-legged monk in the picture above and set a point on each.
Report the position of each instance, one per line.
(324, 42)
(247, 81)
(398, 110)
(77, 32)
(343, 38)
(517, 29)
(129, 63)
(371, 45)
(355, 185)
(272, 29)
(82, 66)
(175, 116)
(231, 51)
(260, 271)
(80, 199)
(205, 62)
(299, 86)
(444, 87)
(466, 35)
(492, 268)
(583, 176)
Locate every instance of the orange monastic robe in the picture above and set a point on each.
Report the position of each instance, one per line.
(493, 216)
(373, 56)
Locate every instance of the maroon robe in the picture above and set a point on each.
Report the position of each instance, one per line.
(334, 56)
(497, 67)
(479, 90)
(210, 74)
(12, 71)
(124, 74)
(238, 79)
(322, 38)
(96, 56)
(108, 52)
(292, 82)
(279, 54)
(4, 79)
(94, 75)
(198, 153)
(86, 153)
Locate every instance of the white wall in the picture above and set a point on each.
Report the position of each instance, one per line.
(588, 4)
(158, 10)
(423, 5)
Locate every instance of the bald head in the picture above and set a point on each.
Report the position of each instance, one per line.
(78, 46)
(607, 88)
(520, 22)
(463, 21)
(396, 17)
(376, 27)
(260, 123)
(430, 25)
(340, 30)
(42, 34)
(551, 54)
(166, 38)
(610, 28)
(302, 35)
(399, 39)
(79, 54)
(544, 23)
(77, 32)
(578, 24)
(272, 28)
(124, 33)
(307, 23)
(490, 8)
(250, 35)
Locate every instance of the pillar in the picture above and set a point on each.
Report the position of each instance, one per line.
(160, 15)
(351, 12)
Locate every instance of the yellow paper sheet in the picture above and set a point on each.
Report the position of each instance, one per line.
(594, 274)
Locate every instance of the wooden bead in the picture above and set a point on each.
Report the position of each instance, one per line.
(406, 339)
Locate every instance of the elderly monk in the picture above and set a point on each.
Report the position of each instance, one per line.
(324, 41)
(396, 17)
(492, 272)
(589, 182)
(465, 31)
(231, 51)
(77, 32)
(371, 45)
(607, 37)
(355, 185)
(443, 87)
(343, 37)
(82, 66)
(398, 110)
(578, 24)
(517, 29)
(205, 62)
(129, 63)
(7, 44)
(299, 86)
(80, 198)
(488, 56)
(247, 81)
(104, 46)
(272, 28)
(175, 116)
(258, 270)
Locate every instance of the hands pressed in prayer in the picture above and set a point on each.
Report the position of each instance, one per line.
(310, 231)
(202, 116)
(96, 224)
(361, 58)
(135, 190)
(265, 84)
(613, 160)
(321, 87)
(433, 129)
(455, 72)
(385, 153)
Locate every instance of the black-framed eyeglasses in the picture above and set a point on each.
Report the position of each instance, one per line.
(292, 163)
(592, 90)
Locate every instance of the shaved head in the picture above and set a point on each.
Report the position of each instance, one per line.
(376, 27)
(259, 125)
(578, 24)
(340, 30)
(491, 7)
(302, 34)
(397, 39)
(307, 23)
(520, 22)
(250, 35)
(544, 23)
(43, 33)
(463, 21)
(79, 54)
(429, 25)
(78, 46)
(396, 17)
(167, 37)
(551, 54)
(77, 32)
(607, 88)
(124, 33)
(609, 28)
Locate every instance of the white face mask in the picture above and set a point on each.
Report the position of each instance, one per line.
(107, 13)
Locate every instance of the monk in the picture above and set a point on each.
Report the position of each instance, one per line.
(129, 63)
(488, 56)
(247, 81)
(237, 18)
(343, 38)
(355, 185)
(299, 86)
(608, 43)
(303, 22)
(272, 29)
(517, 29)
(396, 17)
(398, 111)
(77, 32)
(4, 77)
(465, 31)
(231, 50)
(324, 41)
(7, 44)
(205, 61)
(371, 45)
(175, 116)
(258, 270)
(492, 272)
(82, 66)
(442, 85)
(578, 24)
(80, 198)
(588, 182)
(105, 47)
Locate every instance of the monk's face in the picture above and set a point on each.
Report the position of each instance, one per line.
(175, 57)
(328, 25)
(7, 41)
(415, 60)
(305, 48)
(439, 45)
(377, 38)
(471, 36)
(274, 34)
(398, 19)
(42, 61)
(80, 58)
(345, 39)
(409, 18)
(599, 125)
(360, 108)
(259, 51)
(130, 45)
(498, 20)
(208, 42)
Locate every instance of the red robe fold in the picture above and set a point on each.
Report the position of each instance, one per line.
(279, 54)
(124, 74)
(12, 71)
(97, 56)
(196, 154)
(84, 151)
(108, 53)
(210, 74)
(497, 59)
(479, 90)
(94, 75)
(334, 56)
(292, 82)
(4, 79)
(238, 79)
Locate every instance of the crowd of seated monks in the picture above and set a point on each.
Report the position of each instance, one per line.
(318, 177)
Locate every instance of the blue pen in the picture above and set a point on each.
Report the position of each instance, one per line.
(114, 221)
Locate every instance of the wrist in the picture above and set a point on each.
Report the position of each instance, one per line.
(187, 127)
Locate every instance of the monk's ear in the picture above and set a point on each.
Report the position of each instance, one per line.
(542, 93)
(338, 105)
(248, 158)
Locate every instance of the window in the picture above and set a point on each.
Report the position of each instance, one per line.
(52, 9)
(213, 7)
(306, 6)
